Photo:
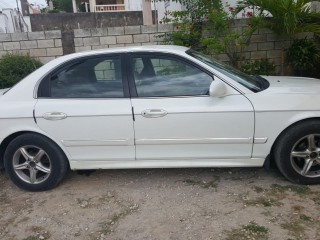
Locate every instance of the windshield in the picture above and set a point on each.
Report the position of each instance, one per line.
(254, 83)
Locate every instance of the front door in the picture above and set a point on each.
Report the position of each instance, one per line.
(84, 105)
(176, 119)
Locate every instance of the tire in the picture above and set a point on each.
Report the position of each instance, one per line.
(297, 153)
(34, 162)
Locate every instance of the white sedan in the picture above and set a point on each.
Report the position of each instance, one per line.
(155, 107)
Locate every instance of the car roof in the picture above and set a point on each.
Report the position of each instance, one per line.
(149, 48)
(179, 50)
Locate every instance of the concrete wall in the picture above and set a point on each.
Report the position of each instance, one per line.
(90, 39)
(60, 21)
(44, 46)
(47, 45)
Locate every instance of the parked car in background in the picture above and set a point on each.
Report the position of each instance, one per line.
(155, 107)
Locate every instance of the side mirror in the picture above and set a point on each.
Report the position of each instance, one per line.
(218, 89)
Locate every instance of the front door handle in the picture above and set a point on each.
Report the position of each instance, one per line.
(154, 113)
(54, 116)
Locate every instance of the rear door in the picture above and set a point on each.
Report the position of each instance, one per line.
(85, 105)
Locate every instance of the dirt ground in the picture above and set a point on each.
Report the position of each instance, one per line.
(231, 204)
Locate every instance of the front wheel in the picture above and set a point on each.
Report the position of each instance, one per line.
(34, 162)
(297, 153)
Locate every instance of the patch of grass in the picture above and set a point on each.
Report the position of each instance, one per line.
(36, 229)
(202, 184)
(84, 202)
(276, 188)
(295, 228)
(266, 202)
(316, 200)
(297, 208)
(298, 189)
(258, 189)
(306, 218)
(249, 231)
(107, 226)
(255, 228)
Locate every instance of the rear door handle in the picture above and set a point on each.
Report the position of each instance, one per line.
(154, 113)
(54, 116)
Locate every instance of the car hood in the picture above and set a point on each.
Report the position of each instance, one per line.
(292, 85)
(2, 91)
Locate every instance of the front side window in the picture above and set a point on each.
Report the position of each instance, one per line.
(254, 83)
(88, 78)
(167, 76)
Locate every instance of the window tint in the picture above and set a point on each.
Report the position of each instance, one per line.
(167, 76)
(90, 78)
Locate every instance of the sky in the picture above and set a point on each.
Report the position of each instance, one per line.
(13, 3)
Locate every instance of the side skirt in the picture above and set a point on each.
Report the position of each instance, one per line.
(121, 164)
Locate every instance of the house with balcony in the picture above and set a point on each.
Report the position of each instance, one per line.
(103, 5)
(127, 5)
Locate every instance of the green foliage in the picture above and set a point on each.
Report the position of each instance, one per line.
(258, 67)
(53, 11)
(255, 228)
(62, 5)
(13, 68)
(197, 9)
(284, 17)
(303, 55)
(222, 38)
(206, 26)
(187, 33)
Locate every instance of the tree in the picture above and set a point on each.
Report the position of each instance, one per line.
(205, 26)
(62, 5)
(285, 18)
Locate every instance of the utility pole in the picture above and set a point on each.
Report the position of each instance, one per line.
(147, 12)
(17, 6)
(19, 18)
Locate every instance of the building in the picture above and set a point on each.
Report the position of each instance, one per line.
(12, 21)
(315, 6)
(128, 5)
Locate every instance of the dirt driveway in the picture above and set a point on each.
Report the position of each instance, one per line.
(230, 204)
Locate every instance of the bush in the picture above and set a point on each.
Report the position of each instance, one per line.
(258, 67)
(14, 67)
(303, 55)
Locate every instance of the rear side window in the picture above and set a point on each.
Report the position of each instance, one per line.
(88, 78)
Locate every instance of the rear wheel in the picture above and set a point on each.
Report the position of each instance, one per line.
(34, 162)
(297, 153)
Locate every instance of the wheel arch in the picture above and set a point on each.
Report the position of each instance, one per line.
(271, 155)
(6, 141)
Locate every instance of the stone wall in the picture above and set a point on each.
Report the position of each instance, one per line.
(91, 39)
(70, 21)
(47, 45)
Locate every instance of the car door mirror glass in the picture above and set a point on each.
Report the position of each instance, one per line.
(218, 89)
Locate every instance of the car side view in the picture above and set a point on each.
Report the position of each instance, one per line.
(155, 107)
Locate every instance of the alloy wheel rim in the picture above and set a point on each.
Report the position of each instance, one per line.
(305, 156)
(32, 164)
